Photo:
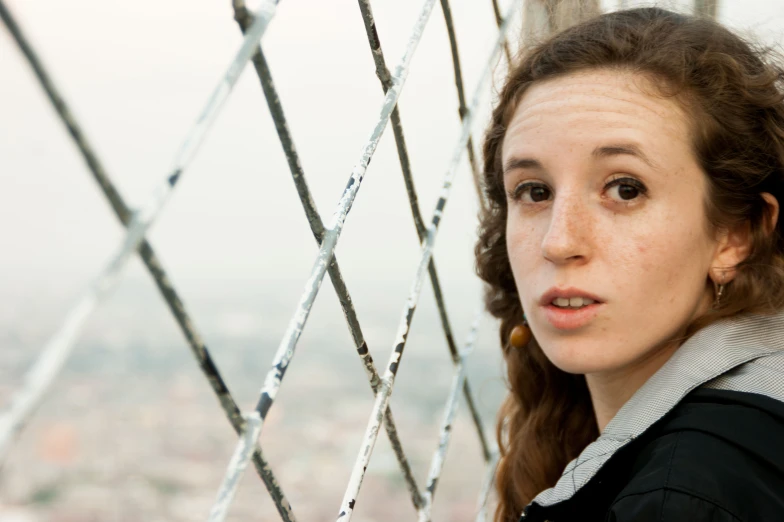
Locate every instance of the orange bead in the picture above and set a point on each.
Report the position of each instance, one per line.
(520, 336)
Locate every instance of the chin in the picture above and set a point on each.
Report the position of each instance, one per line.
(580, 363)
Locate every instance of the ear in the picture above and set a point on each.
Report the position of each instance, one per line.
(734, 245)
(773, 203)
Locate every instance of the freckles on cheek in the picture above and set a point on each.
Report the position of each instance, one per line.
(520, 251)
(657, 272)
(519, 244)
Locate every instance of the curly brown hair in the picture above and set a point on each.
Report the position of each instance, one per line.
(732, 92)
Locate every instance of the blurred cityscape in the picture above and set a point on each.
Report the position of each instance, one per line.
(131, 430)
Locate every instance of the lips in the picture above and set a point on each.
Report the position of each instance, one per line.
(569, 318)
(571, 291)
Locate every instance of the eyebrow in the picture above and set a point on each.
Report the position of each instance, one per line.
(605, 151)
(521, 163)
(628, 149)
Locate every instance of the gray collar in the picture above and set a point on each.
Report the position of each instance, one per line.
(718, 353)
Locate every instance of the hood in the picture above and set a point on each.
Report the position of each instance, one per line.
(744, 353)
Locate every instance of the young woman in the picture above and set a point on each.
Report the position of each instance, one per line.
(634, 167)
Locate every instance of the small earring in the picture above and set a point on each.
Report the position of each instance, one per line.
(719, 289)
(520, 335)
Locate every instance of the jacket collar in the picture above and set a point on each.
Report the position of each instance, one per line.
(712, 352)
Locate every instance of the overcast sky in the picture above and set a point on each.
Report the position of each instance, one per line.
(136, 75)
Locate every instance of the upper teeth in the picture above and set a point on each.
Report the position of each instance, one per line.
(572, 301)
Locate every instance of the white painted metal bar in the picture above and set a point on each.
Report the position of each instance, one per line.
(243, 17)
(57, 350)
(287, 346)
(239, 461)
(382, 398)
(450, 412)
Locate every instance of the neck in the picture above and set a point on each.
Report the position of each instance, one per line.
(610, 390)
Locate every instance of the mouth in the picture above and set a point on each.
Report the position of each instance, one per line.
(566, 318)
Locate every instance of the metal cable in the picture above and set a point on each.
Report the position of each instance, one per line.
(45, 369)
(249, 426)
(450, 412)
(397, 127)
(462, 109)
(244, 18)
(382, 398)
(288, 344)
(151, 261)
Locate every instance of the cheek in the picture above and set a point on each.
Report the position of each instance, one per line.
(520, 245)
(523, 245)
(663, 263)
(640, 252)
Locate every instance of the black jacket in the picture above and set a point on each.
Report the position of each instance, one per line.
(701, 441)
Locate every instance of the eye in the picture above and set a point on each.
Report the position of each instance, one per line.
(629, 189)
(537, 191)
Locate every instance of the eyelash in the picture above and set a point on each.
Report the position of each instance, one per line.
(516, 193)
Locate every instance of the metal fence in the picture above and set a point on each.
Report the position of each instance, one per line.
(248, 425)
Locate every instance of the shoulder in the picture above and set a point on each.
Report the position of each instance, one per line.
(685, 476)
(717, 457)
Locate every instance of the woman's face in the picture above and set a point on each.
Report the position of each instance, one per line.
(605, 198)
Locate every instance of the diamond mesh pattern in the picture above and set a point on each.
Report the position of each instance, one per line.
(248, 425)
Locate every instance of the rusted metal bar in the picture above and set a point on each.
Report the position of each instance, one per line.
(45, 369)
(499, 21)
(476, 177)
(462, 109)
(387, 381)
(173, 301)
(437, 462)
(397, 127)
(286, 349)
(244, 19)
(288, 344)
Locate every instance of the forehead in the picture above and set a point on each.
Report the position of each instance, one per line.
(587, 107)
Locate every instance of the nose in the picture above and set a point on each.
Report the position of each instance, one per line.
(567, 237)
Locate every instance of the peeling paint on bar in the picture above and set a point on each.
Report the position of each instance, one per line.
(175, 304)
(458, 381)
(284, 508)
(462, 110)
(499, 21)
(382, 398)
(200, 351)
(437, 463)
(397, 128)
(286, 348)
(237, 465)
(57, 350)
